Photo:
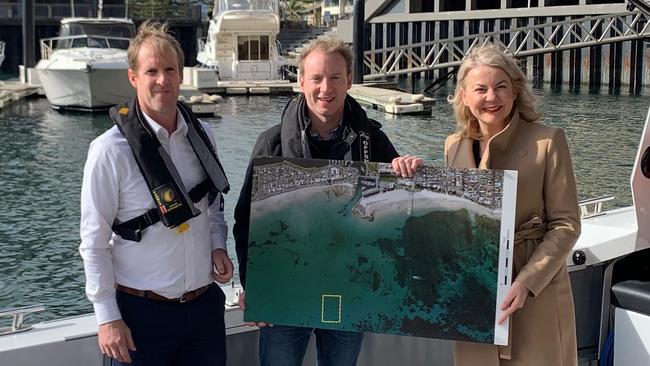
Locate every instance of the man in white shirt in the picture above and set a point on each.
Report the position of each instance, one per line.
(151, 243)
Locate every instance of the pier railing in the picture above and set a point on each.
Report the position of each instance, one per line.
(519, 41)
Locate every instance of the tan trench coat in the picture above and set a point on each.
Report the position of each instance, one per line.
(547, 223)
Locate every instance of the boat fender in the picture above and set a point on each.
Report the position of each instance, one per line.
(417, 97)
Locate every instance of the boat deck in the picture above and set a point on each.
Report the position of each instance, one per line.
(606, 237)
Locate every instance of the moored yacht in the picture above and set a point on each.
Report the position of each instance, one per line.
(85, 67)
(241, 42)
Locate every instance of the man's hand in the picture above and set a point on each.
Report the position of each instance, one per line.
(406, 165)
(115, 340)
(242, 305)
(515, 299)
(222, 266)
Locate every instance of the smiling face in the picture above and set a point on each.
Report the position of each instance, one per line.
(489, 94)
(325, 83)
(157, 81)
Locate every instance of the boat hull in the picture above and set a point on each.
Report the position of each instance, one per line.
(85, 88)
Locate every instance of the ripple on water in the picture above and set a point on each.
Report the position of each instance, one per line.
(43, 152)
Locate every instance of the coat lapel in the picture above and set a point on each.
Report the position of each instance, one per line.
(459, 153)
(501, 142)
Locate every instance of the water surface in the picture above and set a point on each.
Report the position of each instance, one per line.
(42, 153)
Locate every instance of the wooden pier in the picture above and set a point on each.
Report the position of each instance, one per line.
(14, 91)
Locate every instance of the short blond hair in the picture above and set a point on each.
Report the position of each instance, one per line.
(157, 36)
(490, 55)
(328, 46)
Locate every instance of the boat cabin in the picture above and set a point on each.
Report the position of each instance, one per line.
(95, 32)
(241, 42)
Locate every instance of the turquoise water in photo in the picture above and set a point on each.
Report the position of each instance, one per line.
(393, 273)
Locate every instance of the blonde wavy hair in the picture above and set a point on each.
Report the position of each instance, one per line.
(157, 36)
(490, 55)
(328, 46)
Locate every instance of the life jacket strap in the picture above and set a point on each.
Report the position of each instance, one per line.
(132, 229)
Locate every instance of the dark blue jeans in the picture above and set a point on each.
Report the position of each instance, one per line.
(166, 333)
(285, 346)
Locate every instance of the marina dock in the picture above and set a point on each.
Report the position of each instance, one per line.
(391, 101)
(14, 91)
(374, 95)
(387, 100)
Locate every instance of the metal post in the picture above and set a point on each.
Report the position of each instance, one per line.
(28, 33)
(358, 25)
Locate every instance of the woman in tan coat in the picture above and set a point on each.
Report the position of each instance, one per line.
(498, 128)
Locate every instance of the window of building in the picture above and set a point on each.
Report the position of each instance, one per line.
(589, 2)
(421, 6)
(521, 3)
(452, 5)
(561, 2)
(253, 48)
(486, 4)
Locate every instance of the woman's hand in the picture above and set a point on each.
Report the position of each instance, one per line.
(515, 299)
(406, 165)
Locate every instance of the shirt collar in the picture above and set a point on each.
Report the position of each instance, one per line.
(161, 132)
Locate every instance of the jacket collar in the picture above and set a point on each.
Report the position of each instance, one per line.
(294, 130)
(501, 142)
(504, 139)
(460, 152)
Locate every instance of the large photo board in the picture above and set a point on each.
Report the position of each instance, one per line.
(350, 246)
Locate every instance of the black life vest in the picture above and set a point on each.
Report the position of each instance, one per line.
(174, 204)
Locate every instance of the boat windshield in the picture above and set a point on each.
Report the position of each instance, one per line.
(98, 35)
(264, 5)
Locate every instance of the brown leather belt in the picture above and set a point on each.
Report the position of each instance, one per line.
(188, 296)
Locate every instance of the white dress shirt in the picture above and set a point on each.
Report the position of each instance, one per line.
(164, 261)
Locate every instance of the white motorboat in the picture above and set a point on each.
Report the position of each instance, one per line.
(2, 51)
(241, 41)
(85, 67)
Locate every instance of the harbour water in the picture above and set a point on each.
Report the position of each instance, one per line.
(42, 153)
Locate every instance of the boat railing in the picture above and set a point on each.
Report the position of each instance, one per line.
(18, 321)
(200, 43)
(225, 6)
(2, 51)
(593, 206)
(84, 40)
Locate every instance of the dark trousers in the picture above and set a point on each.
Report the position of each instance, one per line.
(285, 346)
(171, 334)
